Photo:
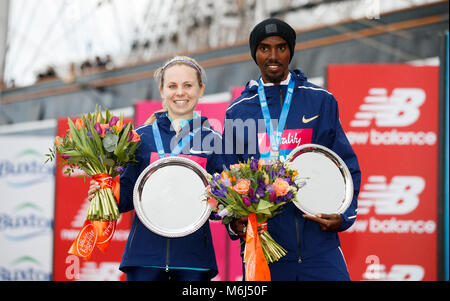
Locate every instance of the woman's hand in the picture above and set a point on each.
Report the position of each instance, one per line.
(92, 189)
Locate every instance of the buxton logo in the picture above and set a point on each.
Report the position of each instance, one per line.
(399, 109)
(27, 168)
(28, 221)
(25, 268)
(400, 196)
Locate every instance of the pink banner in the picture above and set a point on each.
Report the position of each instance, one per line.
(227, 251)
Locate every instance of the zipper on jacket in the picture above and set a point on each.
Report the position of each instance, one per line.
(167, 254)
(281, 97)
(297, 228)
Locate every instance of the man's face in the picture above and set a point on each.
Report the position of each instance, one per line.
(272, 57)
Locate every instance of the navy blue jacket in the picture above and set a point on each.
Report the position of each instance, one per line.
(145, 248)
(313, 118)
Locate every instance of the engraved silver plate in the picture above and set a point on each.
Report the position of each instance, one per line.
(329, 184)
(169, 197)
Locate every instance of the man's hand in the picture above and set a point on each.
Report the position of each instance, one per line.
(239, 226)
(327, 222)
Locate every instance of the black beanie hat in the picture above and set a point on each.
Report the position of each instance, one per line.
(272, 27)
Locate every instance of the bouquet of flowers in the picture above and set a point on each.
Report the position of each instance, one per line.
(259, 190)
(101, 146)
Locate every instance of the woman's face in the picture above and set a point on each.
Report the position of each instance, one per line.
(181, 91)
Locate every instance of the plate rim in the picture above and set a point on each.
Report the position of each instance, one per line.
(146, 173)
(345, 172)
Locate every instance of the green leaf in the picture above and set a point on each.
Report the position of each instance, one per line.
(263, 204)
(110, 142)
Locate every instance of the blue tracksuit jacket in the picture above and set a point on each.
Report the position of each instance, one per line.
(313, 118)
(145, 248)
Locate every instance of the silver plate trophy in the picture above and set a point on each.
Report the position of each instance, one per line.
(329, 184)
(169, 197)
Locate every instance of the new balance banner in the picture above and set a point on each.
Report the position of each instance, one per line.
(71, 205)
(390, 116)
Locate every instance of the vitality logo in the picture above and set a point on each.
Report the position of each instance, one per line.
(399, 109)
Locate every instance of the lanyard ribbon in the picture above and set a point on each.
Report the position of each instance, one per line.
(177, 149)
(275, 137)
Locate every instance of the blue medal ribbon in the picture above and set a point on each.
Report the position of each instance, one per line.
(275, 136)
(177, 149)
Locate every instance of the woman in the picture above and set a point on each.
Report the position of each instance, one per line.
(149, 256)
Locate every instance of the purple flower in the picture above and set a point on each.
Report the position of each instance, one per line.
(270, 189)
(254, 199)
(219, 192)
(254, 164)
(251, 192)
(282, 171)
(113, 120)
(130, 136)
(279, 199)
(98, 128)
(273, 197)
(119, 169)
(260, 192)
(261, 183)
(226, 182)
(246, 200)
(216, 216)
(89, 134)
(289, 195)
(289, 180)
(223, 213)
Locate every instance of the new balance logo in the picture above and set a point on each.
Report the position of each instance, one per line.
(400, 196)
(399, 109)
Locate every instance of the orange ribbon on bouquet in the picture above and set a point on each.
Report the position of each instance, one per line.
(256, 267)
(97, 233)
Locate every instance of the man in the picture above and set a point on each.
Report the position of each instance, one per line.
(307, 115)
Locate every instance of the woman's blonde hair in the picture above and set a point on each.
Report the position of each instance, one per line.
(176, 60)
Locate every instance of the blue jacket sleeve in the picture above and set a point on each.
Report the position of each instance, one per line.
(127, 180)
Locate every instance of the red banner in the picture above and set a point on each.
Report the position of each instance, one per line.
(71, 205)
(390, 116)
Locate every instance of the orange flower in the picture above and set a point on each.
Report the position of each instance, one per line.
(242, 186)
(281, 187)
(58, 140)
(213, 202)
(224, 176)
(261, 163)
(119, 126)
(79, 123)
(104, 127)
(136, 137)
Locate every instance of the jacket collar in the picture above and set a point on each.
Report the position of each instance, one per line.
(296, 74)
(164, 121)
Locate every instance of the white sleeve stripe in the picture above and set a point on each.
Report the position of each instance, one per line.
(352, 217)
(312, 88)
(242, 101)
